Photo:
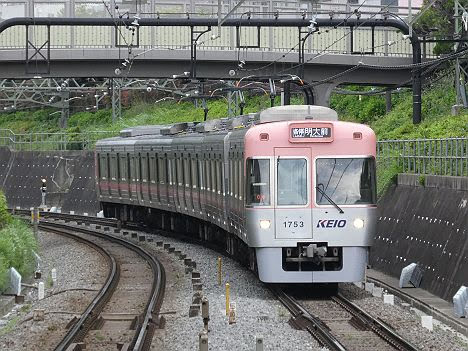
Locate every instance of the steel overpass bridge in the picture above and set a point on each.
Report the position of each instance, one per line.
(325, 49)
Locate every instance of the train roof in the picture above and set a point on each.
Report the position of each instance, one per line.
(133, 135)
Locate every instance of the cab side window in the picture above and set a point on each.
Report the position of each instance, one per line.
(258, 182)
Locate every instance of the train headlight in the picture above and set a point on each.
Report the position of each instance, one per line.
(358, 223)
(265, 223)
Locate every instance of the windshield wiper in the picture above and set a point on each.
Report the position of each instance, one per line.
(329, 200)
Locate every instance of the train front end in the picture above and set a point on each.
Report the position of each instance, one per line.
(310, 195)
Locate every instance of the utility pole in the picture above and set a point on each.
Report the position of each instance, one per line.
(116, 85)
(461, 27)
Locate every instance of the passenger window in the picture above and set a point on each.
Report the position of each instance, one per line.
(292, 181)
(258, 182)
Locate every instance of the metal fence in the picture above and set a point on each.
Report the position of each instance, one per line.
(426, 156)
(51, 141)
(422, 156)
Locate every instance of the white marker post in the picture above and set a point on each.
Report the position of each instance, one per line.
(40, 291)
(53, 274)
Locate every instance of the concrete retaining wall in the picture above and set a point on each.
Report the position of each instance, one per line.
(428, 224)
(69, 175)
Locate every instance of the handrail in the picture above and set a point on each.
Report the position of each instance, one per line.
(43, 141)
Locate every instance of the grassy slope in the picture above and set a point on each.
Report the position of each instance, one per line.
(397, 124)
(437, 119)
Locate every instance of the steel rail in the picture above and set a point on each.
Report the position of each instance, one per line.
(80, 328)
(374, 324)
(303, 319)
(70, 217)
(79, 218)
(142, 339)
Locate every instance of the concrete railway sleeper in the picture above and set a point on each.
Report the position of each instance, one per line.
(144, 323)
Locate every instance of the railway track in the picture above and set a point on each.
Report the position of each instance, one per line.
(124, 312)
(336, 322)
(339, 324)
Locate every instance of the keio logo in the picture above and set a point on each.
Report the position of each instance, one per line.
(331, 223)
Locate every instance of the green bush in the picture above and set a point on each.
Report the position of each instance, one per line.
(362, 109)
(5, 217)
(17, 244)
(387, 174)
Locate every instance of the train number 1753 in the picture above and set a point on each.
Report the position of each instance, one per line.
(293, 224)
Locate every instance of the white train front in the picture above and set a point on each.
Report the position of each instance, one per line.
(290, 191)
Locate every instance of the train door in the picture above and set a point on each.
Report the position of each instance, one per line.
(131, 168)
(153, 176)
(195, 183)
(293, 215)
(179, 193)
(123, 173)
(138, 176)
(104, 182)
(114, 185)
(170, 178)
(117, 169)
(201, 182)
(219, 188)
(142, 179)
(188, 183)
(241, 192)
(162, 179)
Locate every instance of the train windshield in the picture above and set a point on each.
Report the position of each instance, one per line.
(258, 182)
(292, 181)
(346, 181)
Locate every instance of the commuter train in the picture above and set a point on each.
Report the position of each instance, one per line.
(291, 191)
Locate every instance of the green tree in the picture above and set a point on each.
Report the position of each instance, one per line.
(439, 22)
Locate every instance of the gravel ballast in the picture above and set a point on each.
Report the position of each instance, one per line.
(79, 268)
(258, 313)
(406, 321)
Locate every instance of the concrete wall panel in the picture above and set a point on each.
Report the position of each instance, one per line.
(69, 175)
(427, 225)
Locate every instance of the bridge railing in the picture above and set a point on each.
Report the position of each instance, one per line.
(383, 41)
(426, 156)
(51, 141)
